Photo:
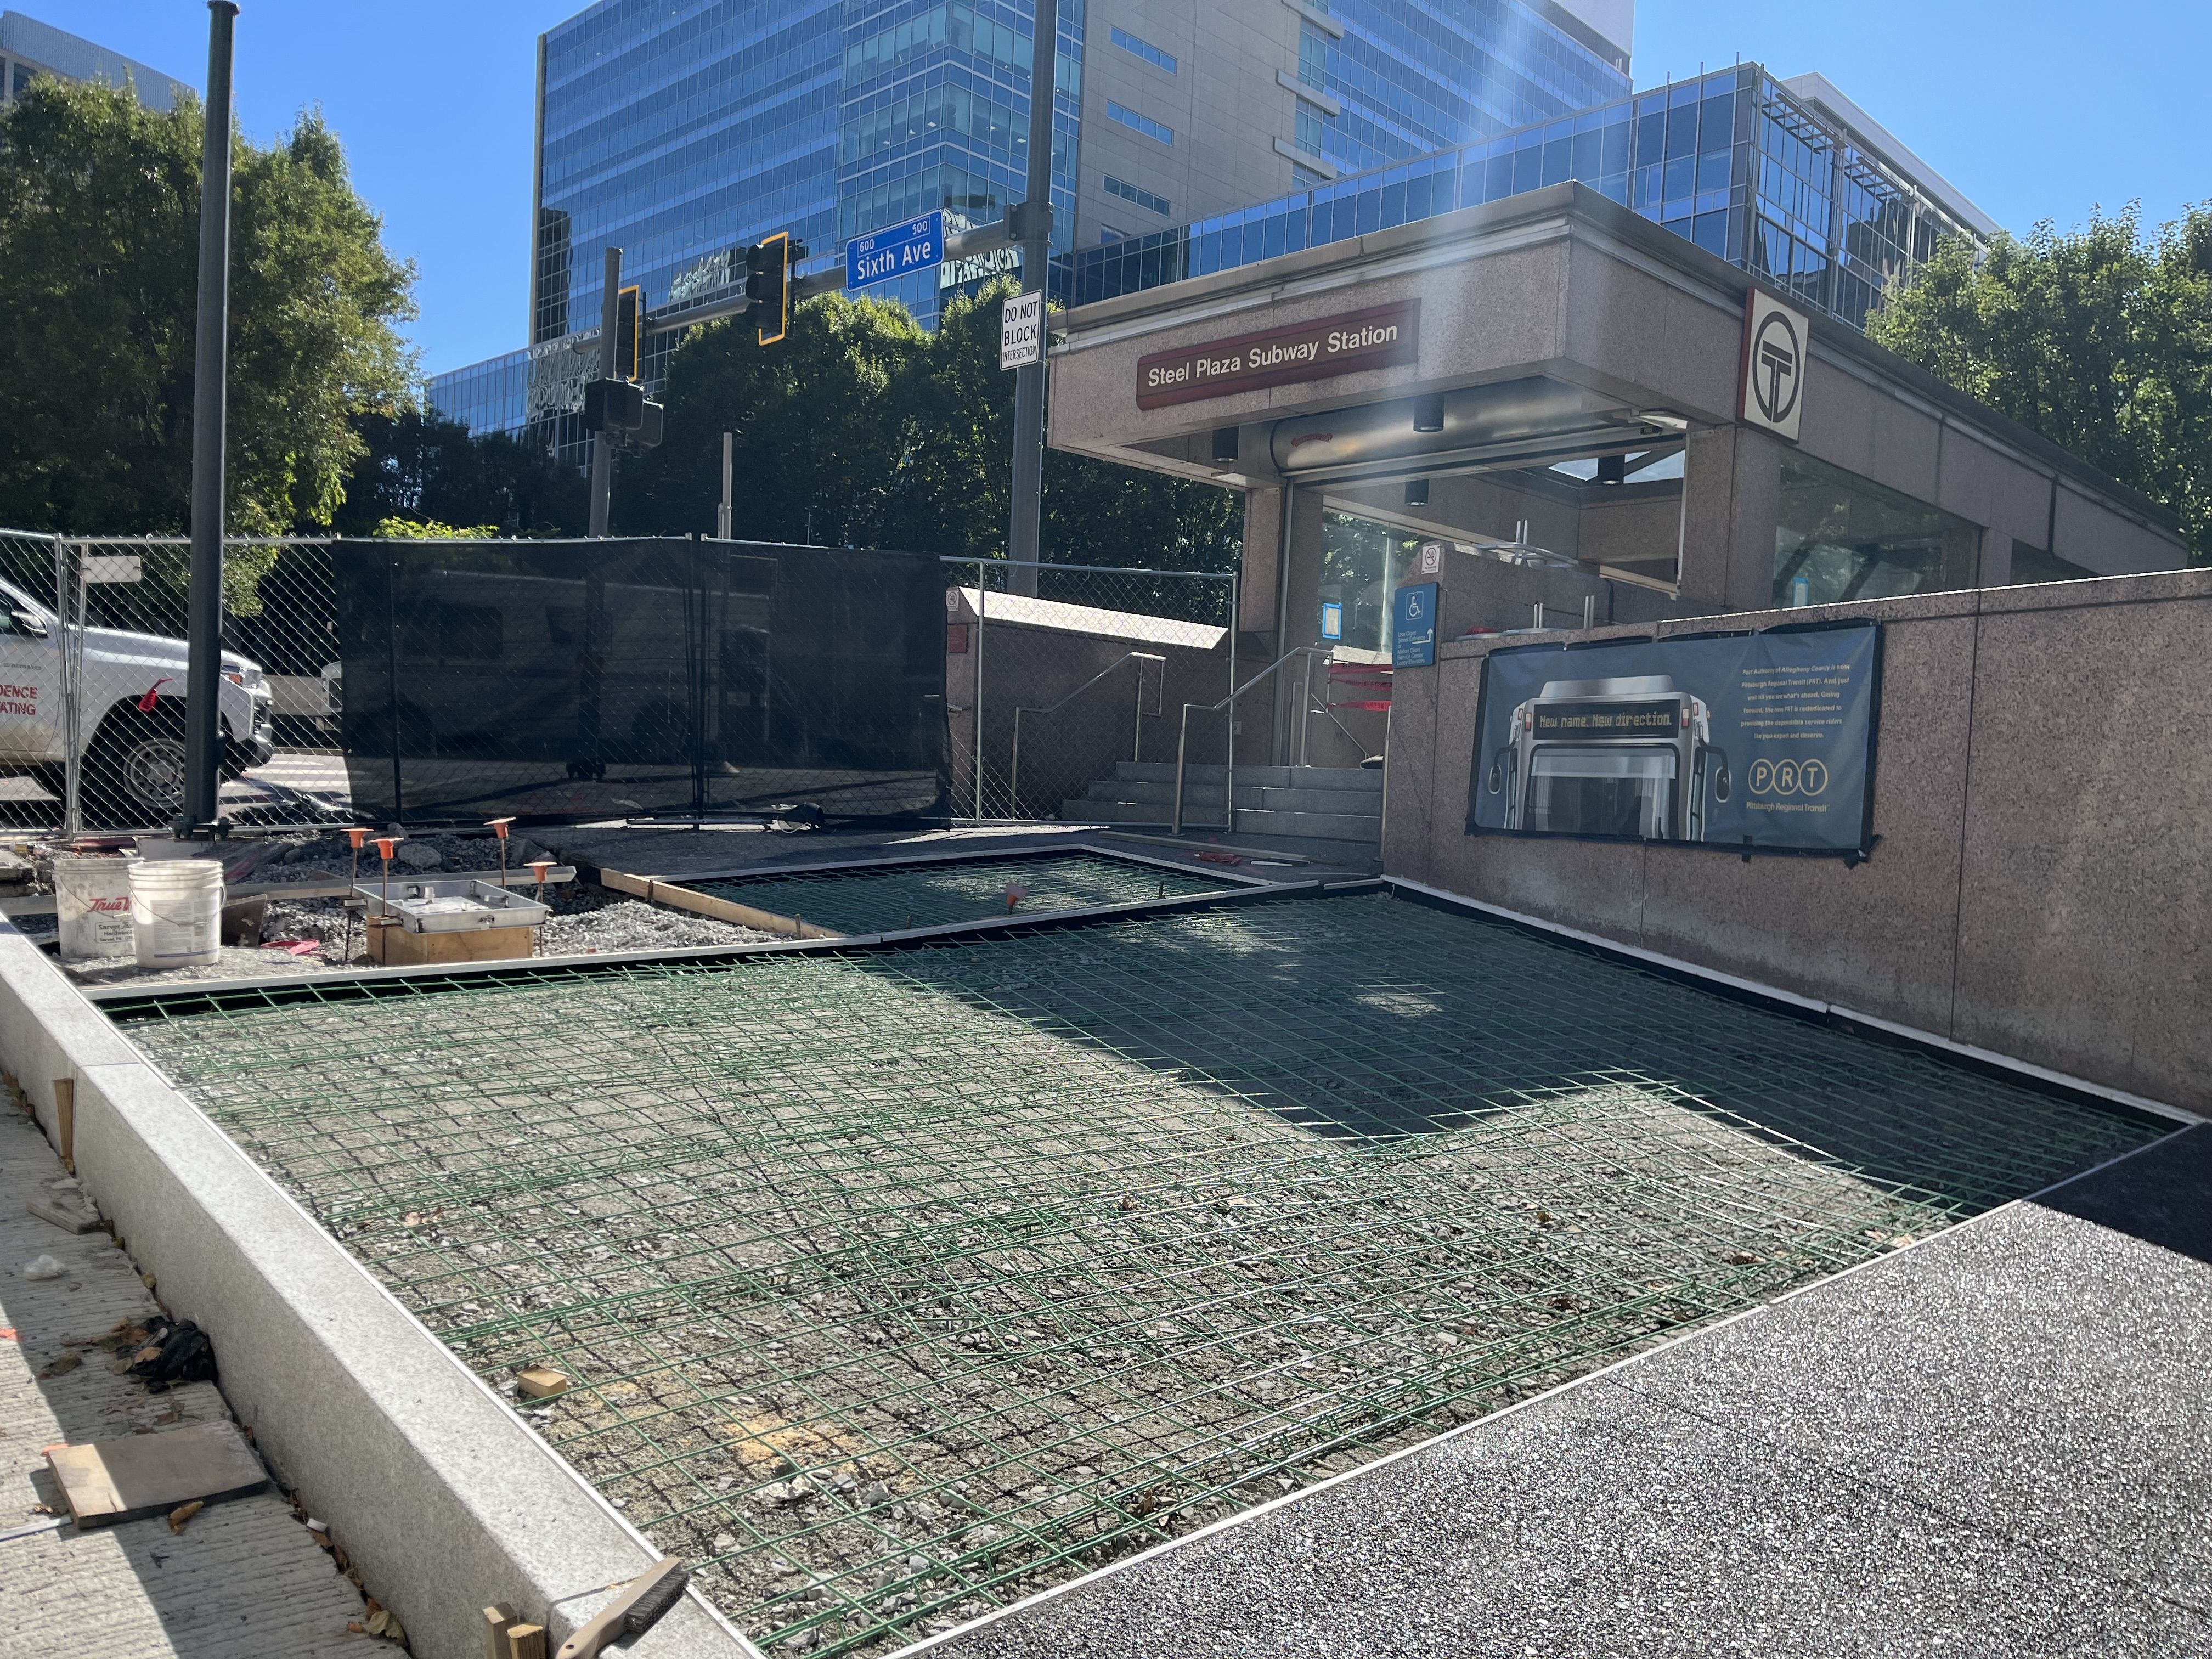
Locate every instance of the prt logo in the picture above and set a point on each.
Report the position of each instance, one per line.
(1776, 345)
(1774, 368)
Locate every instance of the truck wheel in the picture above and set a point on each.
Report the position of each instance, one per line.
(135, 771)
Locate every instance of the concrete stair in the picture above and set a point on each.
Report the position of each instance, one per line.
(1326, 803)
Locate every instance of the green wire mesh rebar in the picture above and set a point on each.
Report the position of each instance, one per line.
(897, 1284)
(883, 898)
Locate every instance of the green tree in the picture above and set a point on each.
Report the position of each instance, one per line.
(866, 430)
(415, 466)
(99, 263)
(2099, 338)
(821, 439)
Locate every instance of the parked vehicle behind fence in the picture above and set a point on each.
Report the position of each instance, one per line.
(129, 715)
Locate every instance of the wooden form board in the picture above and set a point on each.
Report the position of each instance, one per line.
(396, 947)
(107, 1481)
(656, 891)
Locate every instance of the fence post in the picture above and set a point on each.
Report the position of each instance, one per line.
(72, 663)
(1234, 600)
(202, 806)
(982, 587)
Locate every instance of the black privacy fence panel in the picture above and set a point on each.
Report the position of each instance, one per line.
(611, 678)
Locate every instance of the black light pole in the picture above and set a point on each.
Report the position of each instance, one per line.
(210, 371)
(602, 449)
(1031, 223)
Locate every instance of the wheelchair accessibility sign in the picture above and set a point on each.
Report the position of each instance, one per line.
(1413, 627)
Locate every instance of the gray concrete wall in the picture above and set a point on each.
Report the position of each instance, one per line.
(1034, 667)
(444, 1497)
(2040, 886)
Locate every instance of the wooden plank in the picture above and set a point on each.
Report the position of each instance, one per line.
(107, 1481)
(65, 1120)
(496, 1618)
(681, 897)
(635, 886)
(397, 947)
(657, 890)
(524, 1642)
(541, 1381)
(70, 1218)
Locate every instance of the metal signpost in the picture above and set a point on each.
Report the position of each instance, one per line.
(602, 452)
(885, 255)
(1030, 222)
(203, 591)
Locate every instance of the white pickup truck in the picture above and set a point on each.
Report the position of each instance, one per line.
(130, 717)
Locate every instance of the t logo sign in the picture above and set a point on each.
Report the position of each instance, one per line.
(1776, 343)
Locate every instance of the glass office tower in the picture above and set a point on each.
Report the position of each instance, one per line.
(1411, 79)
(682, 133)
(1737, 162)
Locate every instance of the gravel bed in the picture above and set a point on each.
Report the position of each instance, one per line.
(315, 856)
(631, 924)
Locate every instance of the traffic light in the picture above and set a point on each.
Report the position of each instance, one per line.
(613, 406)
(629, 333)
(768, 284)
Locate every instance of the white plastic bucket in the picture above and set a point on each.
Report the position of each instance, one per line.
(176, 912)
(93, 897)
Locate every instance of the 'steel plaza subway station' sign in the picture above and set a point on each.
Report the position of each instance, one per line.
(1378, 337)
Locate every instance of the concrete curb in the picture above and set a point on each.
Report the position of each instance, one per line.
(445, 1499)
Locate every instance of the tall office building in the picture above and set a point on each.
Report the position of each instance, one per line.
(681, 134)
(1788, 179)
(28, 48)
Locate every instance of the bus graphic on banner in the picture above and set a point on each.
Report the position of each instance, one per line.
(1762, 742)
(1629, 756)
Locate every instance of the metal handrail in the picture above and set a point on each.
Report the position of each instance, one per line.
(1137, 752)
(1183, 741)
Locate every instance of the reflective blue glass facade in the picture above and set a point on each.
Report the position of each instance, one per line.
(680, 131)
(485, 397)
(1413, 79)
(1731, 161)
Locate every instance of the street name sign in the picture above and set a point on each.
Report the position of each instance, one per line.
(882, 256)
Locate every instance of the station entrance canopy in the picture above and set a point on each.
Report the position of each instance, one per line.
(1641, 428)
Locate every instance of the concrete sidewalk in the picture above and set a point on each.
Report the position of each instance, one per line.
(243, 1580)
(1996, 1443)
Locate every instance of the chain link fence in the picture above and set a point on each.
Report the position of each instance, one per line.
(1069, 681)
(93, 681)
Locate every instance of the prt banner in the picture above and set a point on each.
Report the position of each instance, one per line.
(1750, 741)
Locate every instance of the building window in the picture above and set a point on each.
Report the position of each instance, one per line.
(1305, 175)
(1842, 537)
(1144, 123)
(1313, 55)
(2031, 564)
(1310, 135)
(1143, 198)
(1360, 564)
(1143, 49)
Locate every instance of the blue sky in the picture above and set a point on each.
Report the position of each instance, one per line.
(2035, 108)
